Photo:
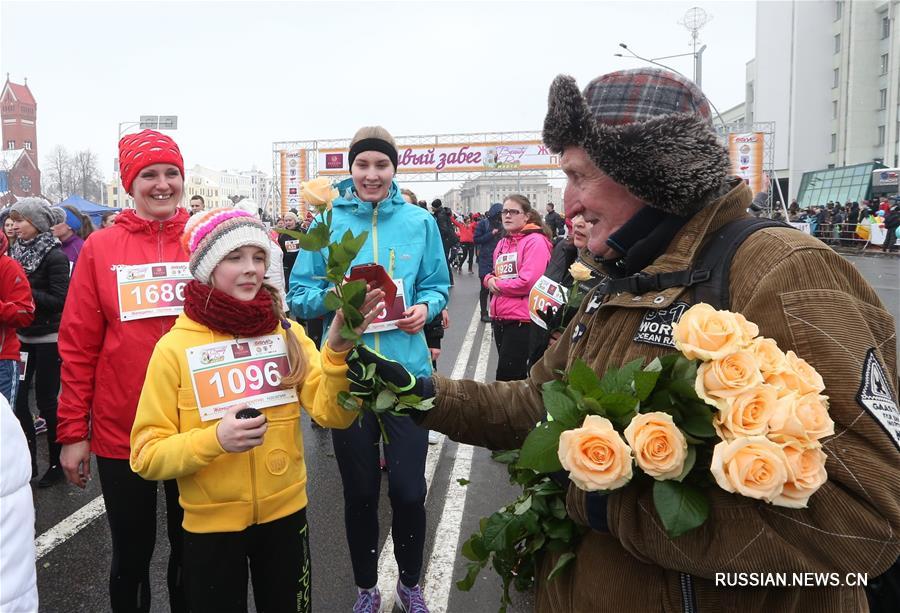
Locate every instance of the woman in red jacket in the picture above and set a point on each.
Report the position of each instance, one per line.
(125, 293)
(466, 240)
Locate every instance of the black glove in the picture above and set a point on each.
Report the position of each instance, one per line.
(398, 379)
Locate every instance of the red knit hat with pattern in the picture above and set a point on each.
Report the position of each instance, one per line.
(137, 151)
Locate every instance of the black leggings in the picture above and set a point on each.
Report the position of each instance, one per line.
(512, 339)
(215, 567)
(468, 252)
(483, 297)
(131, 512)
(356, 449)
(43, 369)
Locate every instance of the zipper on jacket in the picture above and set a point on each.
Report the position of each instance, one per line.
(375, 257)
(253, 494)
(159, 258)
(687, 593)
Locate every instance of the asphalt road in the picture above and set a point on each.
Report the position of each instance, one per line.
(74, 545)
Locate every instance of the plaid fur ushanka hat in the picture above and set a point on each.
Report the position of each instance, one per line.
(649, 129)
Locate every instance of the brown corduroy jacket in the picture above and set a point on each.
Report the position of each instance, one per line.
(810, 300)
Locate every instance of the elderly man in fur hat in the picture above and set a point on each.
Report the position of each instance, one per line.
(644, 165)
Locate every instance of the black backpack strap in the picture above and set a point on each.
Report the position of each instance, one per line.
(710, 273)
(716, 255)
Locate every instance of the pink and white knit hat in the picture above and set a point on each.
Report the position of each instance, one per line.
(211, 235)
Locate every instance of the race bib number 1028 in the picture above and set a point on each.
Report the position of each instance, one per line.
(151, 290)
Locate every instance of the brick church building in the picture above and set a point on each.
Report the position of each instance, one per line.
(19, 154)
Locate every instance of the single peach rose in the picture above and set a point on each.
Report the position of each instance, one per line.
(707, 334)
(749, 329)
(659, 447)
(770, 358)
(802, 417)
(595, 455)
(754, 467)
(747, 414)
(318, 192)
(727, 377)
(808, 380)
(579, 271)
(806, 473)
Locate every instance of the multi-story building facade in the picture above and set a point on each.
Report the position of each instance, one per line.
(828, 75)
(477, 195)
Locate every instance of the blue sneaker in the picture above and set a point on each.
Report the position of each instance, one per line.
(411, 599)
(368, 601)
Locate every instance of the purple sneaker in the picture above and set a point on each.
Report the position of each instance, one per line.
(411, 599)
(368, 601)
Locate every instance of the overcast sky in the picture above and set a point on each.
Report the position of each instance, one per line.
(240, 75)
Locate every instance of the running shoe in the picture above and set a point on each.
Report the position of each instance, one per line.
(411, 599)
(40, 425)
(368, 601)
(433, 437)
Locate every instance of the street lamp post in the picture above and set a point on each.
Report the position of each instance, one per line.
(146, 122)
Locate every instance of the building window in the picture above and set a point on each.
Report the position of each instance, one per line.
(833, 142)
(837, 43)
(838, 9)
(10, 144)
(834, 109)
(837, 77)
(28, 145)
(884, 63)
(885, 27)
(883, 99)
(880, 142)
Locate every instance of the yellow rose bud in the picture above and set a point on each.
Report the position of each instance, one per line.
(707, 334)
(318, 192)
(802, 417)
(595, 455)
(579, 271)
(749, 329)
(753, 466)
(747, 414)
(727, 377)
(770, 358)
(659, 447)
(806, 473)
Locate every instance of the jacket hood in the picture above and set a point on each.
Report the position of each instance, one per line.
(348, 198)
(527, 229)
(495, 209)
(174, 226)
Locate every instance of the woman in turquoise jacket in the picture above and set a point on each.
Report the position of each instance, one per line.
(404, 240)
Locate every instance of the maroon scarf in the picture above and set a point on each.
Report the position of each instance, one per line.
(220, 312)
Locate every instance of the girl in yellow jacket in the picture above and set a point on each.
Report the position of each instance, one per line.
(240, 470)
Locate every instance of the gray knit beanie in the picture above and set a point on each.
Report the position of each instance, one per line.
(649, 129)
(36, 211)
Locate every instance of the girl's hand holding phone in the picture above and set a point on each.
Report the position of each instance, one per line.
(237, 435)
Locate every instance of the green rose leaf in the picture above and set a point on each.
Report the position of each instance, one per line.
(522, 506)
(385, 400)
(582, 378)
(680, 506)
(644, 382)
(618, 404)
(291, 233)
(498, 530)
(354, 292)
(473, 549)
(561, 564)
(464, 585)
(315, 239)
(699, 425)
(506, 457)
(539, 451)
(332, 301)
(562, 408)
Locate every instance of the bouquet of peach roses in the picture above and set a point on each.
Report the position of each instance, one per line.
(730, 410)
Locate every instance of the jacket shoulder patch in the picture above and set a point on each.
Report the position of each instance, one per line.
(875, 396)
(656, 326)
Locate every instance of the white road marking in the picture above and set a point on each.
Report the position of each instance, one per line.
(69, 527)
(387, 566)
(439, 576)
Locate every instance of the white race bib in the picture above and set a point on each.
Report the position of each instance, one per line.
(243, 371)
(507, 266)
(546, 295)
(151, 290)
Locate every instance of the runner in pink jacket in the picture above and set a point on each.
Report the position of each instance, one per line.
(520, 259)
